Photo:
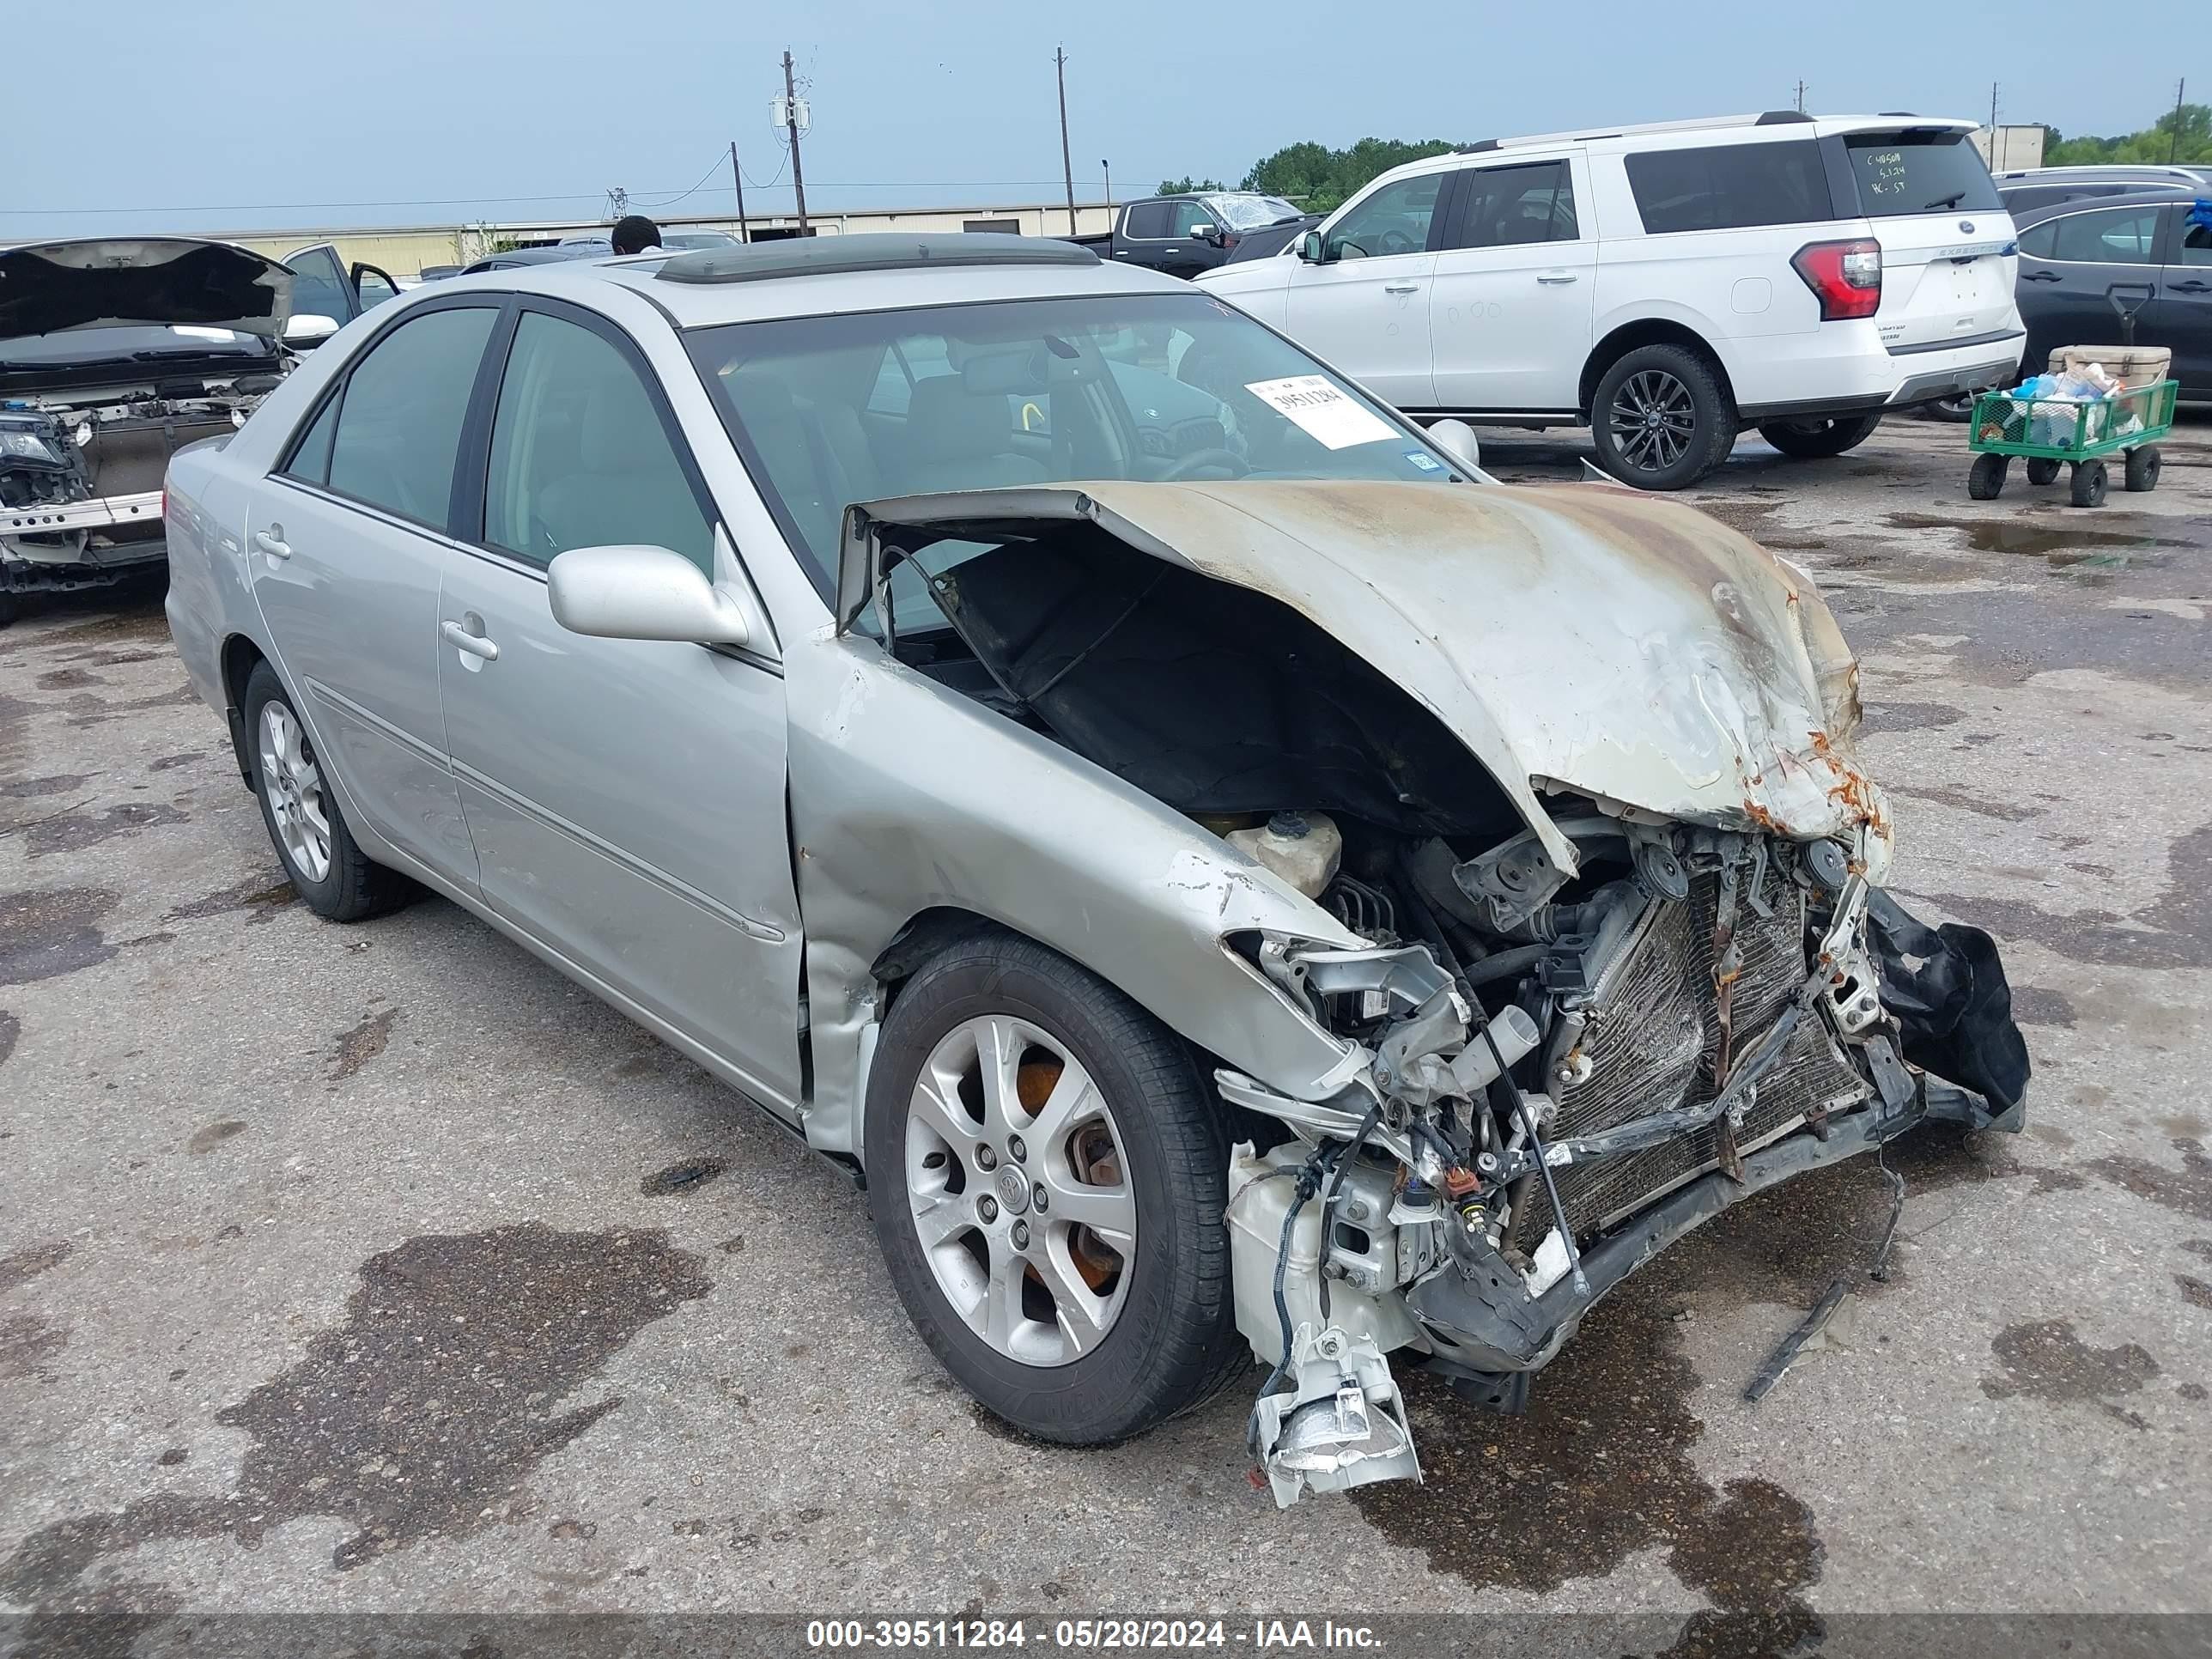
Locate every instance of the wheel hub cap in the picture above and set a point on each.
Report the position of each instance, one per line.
(293, 784)
(1031, 1249)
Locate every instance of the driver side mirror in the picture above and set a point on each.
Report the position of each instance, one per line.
(1457, 439)
(634, 592)
(305, 330)
(1310, 249)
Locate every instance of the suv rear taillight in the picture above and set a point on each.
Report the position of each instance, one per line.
(1845, 277)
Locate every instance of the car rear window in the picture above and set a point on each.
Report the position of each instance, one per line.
(1906, 172)
(1730, 186)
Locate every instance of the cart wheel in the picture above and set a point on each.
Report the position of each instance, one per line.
(2143, 469)
(1986, 479)
(2088, 484)
(2041, 470)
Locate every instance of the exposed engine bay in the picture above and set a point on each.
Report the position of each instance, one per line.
(114, 354)
(81, 476)
(1557, 1064)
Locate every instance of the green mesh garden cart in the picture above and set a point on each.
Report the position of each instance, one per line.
(2049, 432)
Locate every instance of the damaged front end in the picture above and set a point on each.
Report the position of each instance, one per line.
(114, 354)
(1595, 882)
(1696, 1015)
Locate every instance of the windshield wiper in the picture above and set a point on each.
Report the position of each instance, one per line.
(1950, 201)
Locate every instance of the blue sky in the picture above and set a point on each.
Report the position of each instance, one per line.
(245, 114)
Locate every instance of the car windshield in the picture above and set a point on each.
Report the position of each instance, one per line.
(1900, 173)
(1250, 212)
(829, 410)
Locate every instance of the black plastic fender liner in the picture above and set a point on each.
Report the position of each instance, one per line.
(1946, 988)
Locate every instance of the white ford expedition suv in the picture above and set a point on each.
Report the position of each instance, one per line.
(1670, 286)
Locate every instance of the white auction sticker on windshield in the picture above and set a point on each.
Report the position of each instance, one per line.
(1322, 410)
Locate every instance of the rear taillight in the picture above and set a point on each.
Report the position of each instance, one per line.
(1845, 277)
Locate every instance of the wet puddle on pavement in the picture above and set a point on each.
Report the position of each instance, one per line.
(423, 1415)
(2115, 541)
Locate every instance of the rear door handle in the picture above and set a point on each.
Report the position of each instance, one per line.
(2038, 276)
(271, 541)
(461, 640)
(1556, 277)
(1402, 287)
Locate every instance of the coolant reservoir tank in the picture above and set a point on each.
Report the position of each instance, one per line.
(1304, 849)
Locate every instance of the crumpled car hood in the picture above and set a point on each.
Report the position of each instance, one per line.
(1628, 646)
(156, 280)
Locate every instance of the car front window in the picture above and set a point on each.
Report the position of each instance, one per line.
(829, 410)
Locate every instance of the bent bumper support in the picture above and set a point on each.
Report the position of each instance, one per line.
(1517, 1335)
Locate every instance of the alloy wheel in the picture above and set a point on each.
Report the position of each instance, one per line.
(293, 784)
(1652, 419)
(1019, 1190)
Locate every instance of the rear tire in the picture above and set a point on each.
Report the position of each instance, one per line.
(1817, 439)
(2143, 469)
(2088, 486)
(1661, 418)
(301, 812)
(1985, 479)
(1958, 409)
(2041, 470)
(1167, 1339)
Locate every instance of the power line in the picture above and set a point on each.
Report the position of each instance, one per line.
(479, 201)
(712, 167)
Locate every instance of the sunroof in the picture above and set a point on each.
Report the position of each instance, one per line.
(816, 256)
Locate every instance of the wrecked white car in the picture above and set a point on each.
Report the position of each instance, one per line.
(1232, 878)
(114, 353)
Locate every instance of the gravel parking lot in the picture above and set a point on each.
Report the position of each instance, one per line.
(378, 1269)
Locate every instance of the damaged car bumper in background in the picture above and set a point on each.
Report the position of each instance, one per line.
(1642, 969)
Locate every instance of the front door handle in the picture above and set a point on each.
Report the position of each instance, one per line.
(1556, 277)
(2038, 276)
(1402, 287)
(271, 541)
(2191, 287)
(475, 645)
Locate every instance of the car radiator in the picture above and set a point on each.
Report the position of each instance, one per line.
(1653, 1038)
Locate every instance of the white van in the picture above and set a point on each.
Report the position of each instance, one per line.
(1670, 286)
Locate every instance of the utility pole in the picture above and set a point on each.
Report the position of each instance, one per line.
(1066, 166)
(2173, 139)
(738, 178)
(1801, 97)
(790, 123)
(1996, 160)
(1107, 167)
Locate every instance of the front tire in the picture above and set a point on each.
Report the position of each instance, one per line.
(2088, 485)
(1661, 419)
(1817, 439)
(1003, 1072)
(329, 871)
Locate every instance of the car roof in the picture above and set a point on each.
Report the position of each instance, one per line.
(707, 304)
(2093, 171)
(2160, 195)
(1774, 126)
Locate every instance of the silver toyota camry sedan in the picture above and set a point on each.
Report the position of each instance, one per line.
(1232, 878)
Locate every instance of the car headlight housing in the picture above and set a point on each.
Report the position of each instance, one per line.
(16, 445)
